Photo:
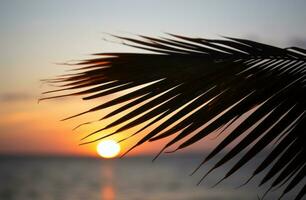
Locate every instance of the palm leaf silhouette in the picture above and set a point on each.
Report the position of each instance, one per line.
(194, 81)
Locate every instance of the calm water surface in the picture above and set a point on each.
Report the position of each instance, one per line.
(26, 178)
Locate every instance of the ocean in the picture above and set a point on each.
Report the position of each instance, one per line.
(130, 178)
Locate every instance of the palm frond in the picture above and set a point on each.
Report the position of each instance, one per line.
(191, 82)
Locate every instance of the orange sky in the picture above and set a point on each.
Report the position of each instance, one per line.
(31, 128)
(37, 34)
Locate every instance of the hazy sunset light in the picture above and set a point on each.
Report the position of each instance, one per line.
(37, 35)
(108, 149)
(92, 92)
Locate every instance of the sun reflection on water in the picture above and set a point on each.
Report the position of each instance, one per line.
(108, 190)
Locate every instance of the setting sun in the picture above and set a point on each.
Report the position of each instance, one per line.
(108, 148)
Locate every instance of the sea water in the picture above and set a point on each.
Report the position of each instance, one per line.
(131, 178)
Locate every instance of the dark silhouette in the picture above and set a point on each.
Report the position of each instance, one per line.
(195, 80)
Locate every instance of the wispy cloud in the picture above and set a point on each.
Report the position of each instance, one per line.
(7, 97)
(299, 42)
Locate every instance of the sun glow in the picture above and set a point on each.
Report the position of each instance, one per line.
(108, 148)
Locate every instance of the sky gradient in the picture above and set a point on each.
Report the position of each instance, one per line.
(35, 35)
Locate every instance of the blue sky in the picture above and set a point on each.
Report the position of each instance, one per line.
(36, 34)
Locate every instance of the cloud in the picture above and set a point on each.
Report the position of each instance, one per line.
(7, 97)
(298, 42)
